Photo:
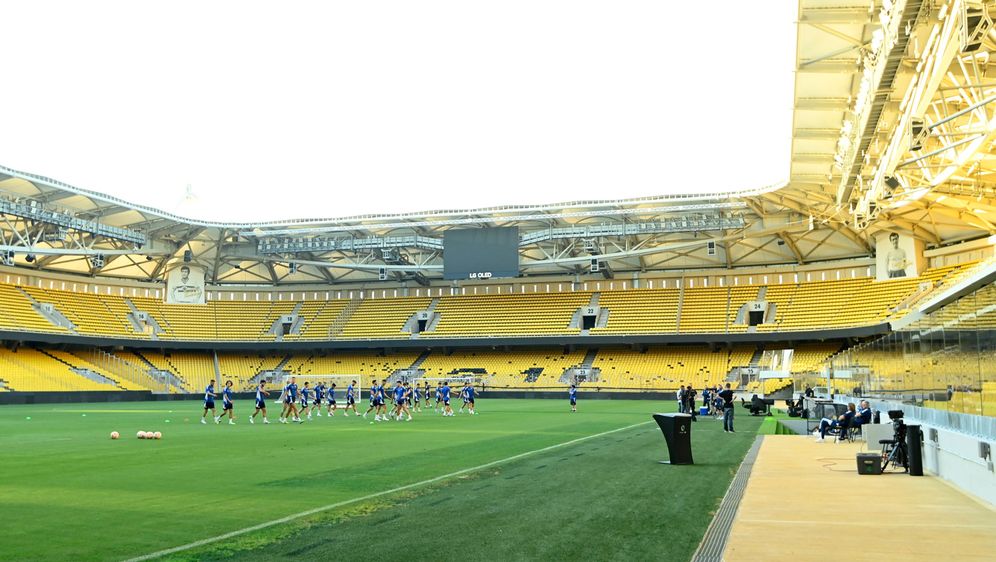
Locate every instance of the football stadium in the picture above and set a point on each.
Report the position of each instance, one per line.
(682, 367)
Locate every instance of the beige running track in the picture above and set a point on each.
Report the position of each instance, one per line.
(806, 501)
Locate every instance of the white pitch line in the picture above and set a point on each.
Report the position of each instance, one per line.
(336, 505)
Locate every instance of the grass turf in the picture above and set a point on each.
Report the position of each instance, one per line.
(71, 492)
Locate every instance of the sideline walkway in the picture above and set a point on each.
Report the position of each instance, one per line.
(805, 500)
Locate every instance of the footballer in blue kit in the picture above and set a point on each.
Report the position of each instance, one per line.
(445, 393)
(290, 402)
(260, 403)
(439, 395)
(374, 401)
(463, 397)
(417, 398)
(469, 394)
(209, 402)
(351, 399)
(573, 393)
(227, 404)
(319, 396)
(401, 402)
(330, 400)
(382, 401)
(306, 400)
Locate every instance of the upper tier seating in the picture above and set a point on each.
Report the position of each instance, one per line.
(814, 305)
(507, 315)
(383, 318)
(18, 314)
(847, 302)
(99, 315)
(640, 311)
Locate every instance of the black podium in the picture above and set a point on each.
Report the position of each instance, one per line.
(677, 430)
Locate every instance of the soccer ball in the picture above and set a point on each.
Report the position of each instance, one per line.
(157, 435)
(140, 435)
(114, 435)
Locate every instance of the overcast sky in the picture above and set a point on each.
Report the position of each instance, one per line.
(327, 109)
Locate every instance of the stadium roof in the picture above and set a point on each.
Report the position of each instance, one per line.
(892, 132)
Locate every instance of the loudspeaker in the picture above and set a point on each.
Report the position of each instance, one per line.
(594, 265)
(188, 256)
(382, 274)
(711, 248)
(891, 182)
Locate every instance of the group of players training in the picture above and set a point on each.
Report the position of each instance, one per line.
(308, 400)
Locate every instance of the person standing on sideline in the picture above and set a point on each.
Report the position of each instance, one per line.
(727, 396)
(690, 401)
(573, 394)
(681, 400)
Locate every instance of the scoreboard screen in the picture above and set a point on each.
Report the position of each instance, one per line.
(480, 253)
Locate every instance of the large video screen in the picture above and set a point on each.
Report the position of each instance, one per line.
(480, 253)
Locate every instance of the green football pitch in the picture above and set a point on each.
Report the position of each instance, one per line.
(523, 479)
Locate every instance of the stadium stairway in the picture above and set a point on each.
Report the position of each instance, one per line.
(80, 368)
(339, 324)
(50, 312)
(133, 316)
(129, 375)
(411, 325)
(435, 317)
(755, 360)
(142, 358)
(418, 362)
(586, 364)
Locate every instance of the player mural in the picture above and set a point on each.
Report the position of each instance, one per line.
(897, 256)
(185, 285)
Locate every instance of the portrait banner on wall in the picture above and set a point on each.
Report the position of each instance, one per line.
(185, 285)
(896, 256)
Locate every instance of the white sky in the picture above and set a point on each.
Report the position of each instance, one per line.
(293, 109)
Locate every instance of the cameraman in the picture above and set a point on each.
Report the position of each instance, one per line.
(690, 394)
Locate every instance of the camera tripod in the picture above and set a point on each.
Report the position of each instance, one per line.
(895, 451)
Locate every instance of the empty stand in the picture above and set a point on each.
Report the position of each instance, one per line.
(668, 367)
(99, 315)
(18, 313)
(30, 370)
(522, 369)
(507, 315)
(383, 318)
(814, 305)
(640, 311)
